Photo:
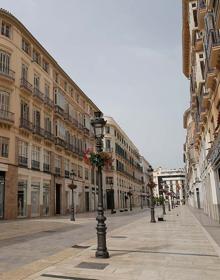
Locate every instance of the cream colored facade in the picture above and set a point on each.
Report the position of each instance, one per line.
(171, 180)
(44, 130)
(126, 173)
(201, 50)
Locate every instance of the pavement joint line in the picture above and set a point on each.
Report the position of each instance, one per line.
(208, 235)
(162, 252)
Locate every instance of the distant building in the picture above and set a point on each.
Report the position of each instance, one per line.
(126, 176)
(173, 179)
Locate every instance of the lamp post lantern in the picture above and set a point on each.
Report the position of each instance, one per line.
(98, 124)
(151, 185)
(72, 187)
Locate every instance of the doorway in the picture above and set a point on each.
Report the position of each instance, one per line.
(2, 194)
(198, 198)
(58, 199)
(87, 201)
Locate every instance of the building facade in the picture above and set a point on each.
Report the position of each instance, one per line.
(201, 50)
(171, 180)
(126, 175)
(44, 130)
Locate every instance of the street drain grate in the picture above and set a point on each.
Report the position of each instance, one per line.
(80, 246)
(65, 277)
(118, 236)
(90, 265)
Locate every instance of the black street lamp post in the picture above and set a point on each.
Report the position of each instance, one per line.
(72, 187)
(151, 185)
(130, 195)
(98, 124)
(163, 203)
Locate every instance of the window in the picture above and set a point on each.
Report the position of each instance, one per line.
(57, 77)
(35, 157)
(6, 29)
(60, 99)
(47, 90)
(107, 129)
(36, 56)
(60, 130)
(4, 62)
(26, 46)
(24, 110)
(80, 171)
(4, 146)
(77, 98)
(4, 101)
(74, 169)
(195, 18)
(65, 86)
(47, 123)
(45, 66)
(58, 165)
(36, 117)
(46, 164)
(86, 174)
(36, 81)
(22, 153)
(67, 168)
(24, 72)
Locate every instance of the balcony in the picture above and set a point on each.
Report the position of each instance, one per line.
(48, 102)
(26, 86)
(57, 171)
(213, 154)
(26, 124)
(7, 75)
(68, 117)
(38, 130)
(210, 76)
(108, 149)
(48, 135)
(35, 165)
(197, 40)
(22, 161)
(6, 117)
(60, 142)
(69, 147)
(46, 167)
(201, 13)
(38, 95)
(59, 111)
(205, 99)
(212, 44)
(81, 127)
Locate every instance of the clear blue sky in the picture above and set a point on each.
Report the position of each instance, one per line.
(126, 56)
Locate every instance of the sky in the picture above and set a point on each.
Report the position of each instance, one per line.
(126, 55)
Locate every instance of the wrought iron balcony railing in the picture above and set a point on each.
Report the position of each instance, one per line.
(23, 161)
(7, 73)
(35, 165)
(38, 94)
(24, 123)
(26, 85)
(6, 116)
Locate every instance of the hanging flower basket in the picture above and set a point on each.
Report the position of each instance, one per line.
(98, 159)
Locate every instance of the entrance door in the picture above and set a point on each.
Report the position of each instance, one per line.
(58, 197)
(87, 201)
(2, 194)
(22, 199)
(35, 201)
(198, 197)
